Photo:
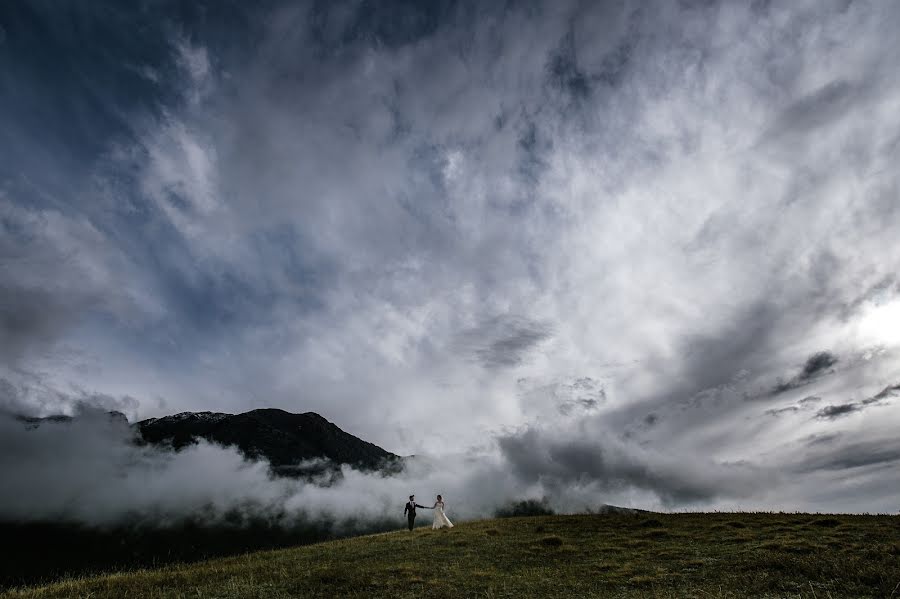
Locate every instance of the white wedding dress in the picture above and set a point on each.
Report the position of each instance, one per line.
(440, 518)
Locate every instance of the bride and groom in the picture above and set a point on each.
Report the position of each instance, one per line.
(440, 519)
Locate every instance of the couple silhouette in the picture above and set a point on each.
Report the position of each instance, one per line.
(440, 518)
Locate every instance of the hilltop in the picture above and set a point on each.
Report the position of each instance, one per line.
(613, 555)
(283, 438)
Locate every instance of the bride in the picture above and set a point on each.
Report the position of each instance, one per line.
(440, 518)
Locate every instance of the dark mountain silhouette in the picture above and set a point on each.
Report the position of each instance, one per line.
(294, 444)
(286, 440)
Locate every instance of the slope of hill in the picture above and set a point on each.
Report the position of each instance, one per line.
(614, 555)
(282, 438)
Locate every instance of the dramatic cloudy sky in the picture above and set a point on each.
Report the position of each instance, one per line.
(643, 252)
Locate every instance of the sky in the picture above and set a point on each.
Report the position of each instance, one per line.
(641, 253)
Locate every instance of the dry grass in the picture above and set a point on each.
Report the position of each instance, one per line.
(677, 555)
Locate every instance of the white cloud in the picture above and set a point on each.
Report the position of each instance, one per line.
(195, 62)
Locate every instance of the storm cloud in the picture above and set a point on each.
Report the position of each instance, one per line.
(880, 398)
(505, 342)
(603, 463)
(816, 365)
(610, 247)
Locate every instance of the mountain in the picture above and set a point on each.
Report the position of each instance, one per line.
(282, 438)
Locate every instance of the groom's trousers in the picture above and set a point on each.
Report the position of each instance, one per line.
(412, 520)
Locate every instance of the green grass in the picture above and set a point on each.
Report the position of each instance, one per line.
(663, 555)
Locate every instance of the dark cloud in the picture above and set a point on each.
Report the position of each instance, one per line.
(853, 455)
(583, 395)
(706, 367)
(602, 461)
(536, 456)
(505, 342)
(582, 404)
(564, 73)
(510, 349)
(804, 404)
(815, 366)
(820, 107)
(714, 359)
(836, 411)
(614, 66)
(887, 392)
(822, 439)
(532, 149)
(780, 411)
(393, 24)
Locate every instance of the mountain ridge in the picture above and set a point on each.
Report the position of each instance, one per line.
(294, 444)
(288, 441)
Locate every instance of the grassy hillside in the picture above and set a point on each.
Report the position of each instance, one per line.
(651, 555)
(49, 551)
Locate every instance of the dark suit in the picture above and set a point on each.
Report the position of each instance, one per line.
(410, 512)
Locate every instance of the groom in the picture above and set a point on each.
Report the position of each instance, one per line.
(410, 511)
